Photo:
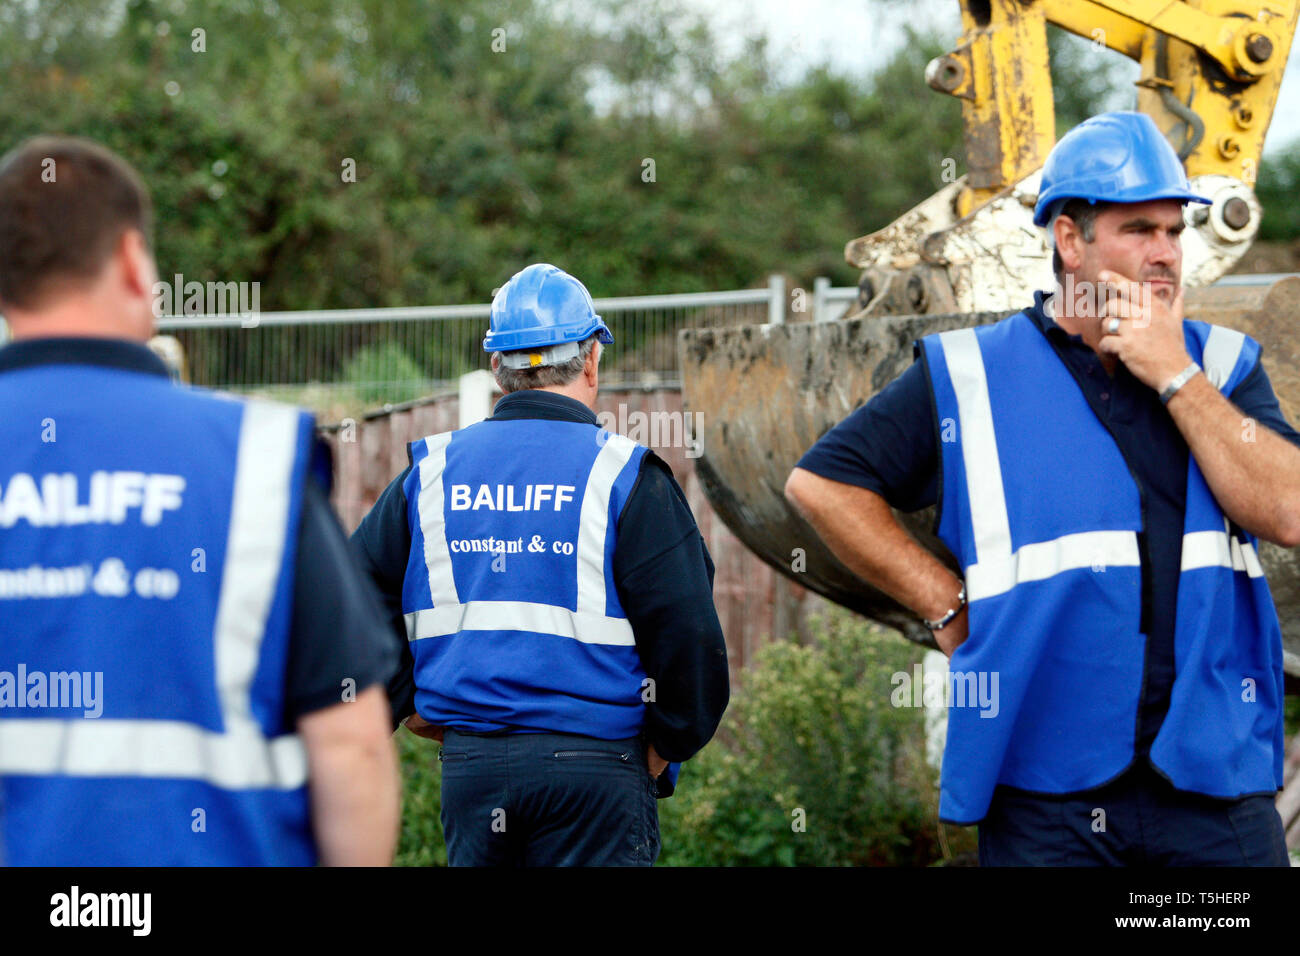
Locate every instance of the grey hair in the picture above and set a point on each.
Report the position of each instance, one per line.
(1084, 215)
(543, 376)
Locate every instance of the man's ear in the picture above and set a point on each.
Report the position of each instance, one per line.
(1069, 241)
(590, 366)
(138, 269)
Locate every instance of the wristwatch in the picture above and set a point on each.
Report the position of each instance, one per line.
(1181, 379)
(944, 621)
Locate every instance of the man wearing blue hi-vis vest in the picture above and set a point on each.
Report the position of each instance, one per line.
(192, 668)
(557, 596)
(1103, 469)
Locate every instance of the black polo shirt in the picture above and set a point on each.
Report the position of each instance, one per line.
(891, 447)
(338, 628)
(662, 570)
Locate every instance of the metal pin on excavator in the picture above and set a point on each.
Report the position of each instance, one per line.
(971, 254)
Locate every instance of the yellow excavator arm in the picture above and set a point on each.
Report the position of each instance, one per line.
(1211, 70)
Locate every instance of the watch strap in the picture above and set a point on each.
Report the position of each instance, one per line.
(1181, 379)
(943, 622)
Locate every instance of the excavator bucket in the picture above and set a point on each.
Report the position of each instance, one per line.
(766, 393)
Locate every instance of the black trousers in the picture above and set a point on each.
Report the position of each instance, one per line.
(547, 800)
(1139, 819)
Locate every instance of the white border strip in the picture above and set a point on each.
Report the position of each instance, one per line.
(1034, 562)
(519, 616)
(594, 520)
(259, 521)
(1214, 549)
(163, 749)
(1222, 350)
(433, 522)
(988, 503)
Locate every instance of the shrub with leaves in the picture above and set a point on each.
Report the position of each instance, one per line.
(813, 766)
(385, 373)
(420, 842)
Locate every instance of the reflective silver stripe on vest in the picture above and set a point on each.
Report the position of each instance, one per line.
(1222, 349)
(1214, 549)
(1034, 562)
(593, 523)
(437, 555)
(997, 569)
(588, 624)
(1210, 549)
(518, 616)
(239, 756)
(165, 749)
(979, 445)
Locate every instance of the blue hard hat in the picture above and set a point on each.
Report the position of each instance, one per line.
(1114, 157)
(542, 305)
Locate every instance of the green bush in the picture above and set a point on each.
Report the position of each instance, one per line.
(385, 373)
(812, 729)
(420, 842)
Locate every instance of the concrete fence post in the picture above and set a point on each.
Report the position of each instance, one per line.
(776, 300)
(821, 285)
(476, 392)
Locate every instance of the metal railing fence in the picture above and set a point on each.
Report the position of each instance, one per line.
(348, 360)
(345, 361)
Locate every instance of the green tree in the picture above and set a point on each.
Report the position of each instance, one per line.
(1277, 189)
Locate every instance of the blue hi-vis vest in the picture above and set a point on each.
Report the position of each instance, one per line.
(511, 606)
(147, 548)
(1043, 514)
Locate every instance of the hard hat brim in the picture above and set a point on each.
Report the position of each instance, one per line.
(1043, 208)
(543, 337)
